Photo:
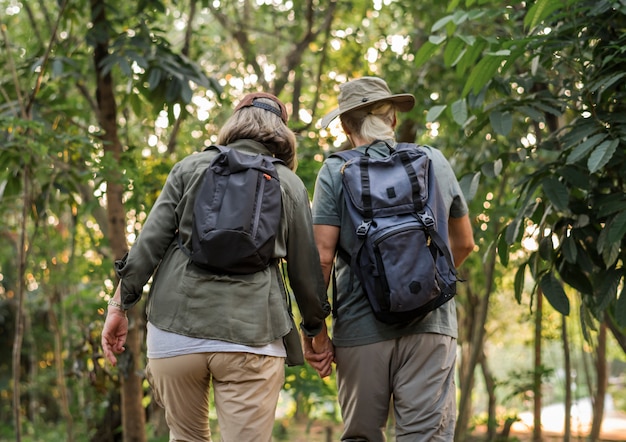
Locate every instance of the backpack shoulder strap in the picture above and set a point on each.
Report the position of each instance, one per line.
(347, 155)
(217, 147)
(409, 146)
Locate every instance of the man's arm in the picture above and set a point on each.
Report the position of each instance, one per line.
(319, 351)
(461, 238)
(326, 238)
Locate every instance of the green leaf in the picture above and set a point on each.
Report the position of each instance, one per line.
(154, 78)
(579, 129)
(442, 22)
(484, 71)
(610, 254)
(540, 11)
(584, 148)
(459, 111)
(575, 177)
(620, 308)
(607, 291)
(616, 228)
(424, 54)
(557, 193)
(497, 167)
(548, 109)
(434, 112)
(469, 185)
(503, 250)
(513, 230)
(545, 248)
(586, 322)
(520, 277)
(602, 155)
(574, 277)
(437, 39)
(570, 250)
(532, 113)
(502, 122)
(454, 51)
(554, 293)
(605, 83)
(468, 59)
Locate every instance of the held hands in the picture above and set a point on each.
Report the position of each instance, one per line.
(319, 352)
(114, 334)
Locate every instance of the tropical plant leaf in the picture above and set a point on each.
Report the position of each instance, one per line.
(539, 11)
(434, 112)
(502, 122)
(616, 228)
(582, 149)
(601, 155)
(459, 111)
(520, 277)
(620, 308)
(425, 52)
(607, 292)
(482, 73)
(569, 249)
(557, 193)
(454, 51)
(554, 293)
(469, 185)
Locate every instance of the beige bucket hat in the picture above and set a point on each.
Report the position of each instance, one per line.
(365, 91)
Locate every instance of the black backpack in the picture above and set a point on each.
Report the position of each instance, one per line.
(404, 265)
(237, 211)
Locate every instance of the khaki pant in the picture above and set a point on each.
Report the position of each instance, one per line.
(416, 372)
(246, 388)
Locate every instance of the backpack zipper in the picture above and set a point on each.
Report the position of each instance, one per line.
(257, 206)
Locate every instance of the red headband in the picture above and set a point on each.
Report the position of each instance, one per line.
(249, 100)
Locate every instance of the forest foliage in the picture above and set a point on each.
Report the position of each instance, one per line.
(99, 99)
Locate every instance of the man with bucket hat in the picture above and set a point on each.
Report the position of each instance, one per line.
(411, 365)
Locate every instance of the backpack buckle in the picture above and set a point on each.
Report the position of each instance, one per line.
(427, 220)
(362, 229)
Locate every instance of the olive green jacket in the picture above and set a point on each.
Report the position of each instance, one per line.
(245, 309)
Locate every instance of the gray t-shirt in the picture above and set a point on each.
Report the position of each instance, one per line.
(355, 323)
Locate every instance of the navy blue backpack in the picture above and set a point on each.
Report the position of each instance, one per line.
(404, 265)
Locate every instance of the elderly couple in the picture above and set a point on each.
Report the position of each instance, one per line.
(208, 330)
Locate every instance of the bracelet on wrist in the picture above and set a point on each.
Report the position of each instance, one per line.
(117, 305)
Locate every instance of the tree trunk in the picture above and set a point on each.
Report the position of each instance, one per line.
(59, 362)
(601, 385)
(19, 314)
(537, 370)
(567, 430)
(133, 414)
(490, 386)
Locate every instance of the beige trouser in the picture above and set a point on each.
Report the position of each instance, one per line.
(416, 371)
(246, 388)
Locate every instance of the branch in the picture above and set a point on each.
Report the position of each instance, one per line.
(44, 62)
(16, 82)
(171, 143)
(241, 37)
(85, 93)
(33, 23)
(294, 57)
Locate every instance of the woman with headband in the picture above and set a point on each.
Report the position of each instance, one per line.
(231, 332)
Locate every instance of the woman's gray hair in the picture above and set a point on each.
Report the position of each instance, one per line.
(255, 123)
(371, 123)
